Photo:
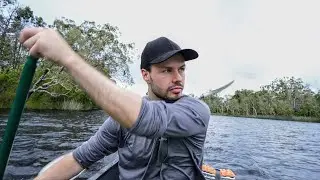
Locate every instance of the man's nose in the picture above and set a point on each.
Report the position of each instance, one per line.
(177, 76)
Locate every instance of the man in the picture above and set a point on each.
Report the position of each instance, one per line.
(160, 136)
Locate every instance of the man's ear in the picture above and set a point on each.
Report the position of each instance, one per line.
(145, 75)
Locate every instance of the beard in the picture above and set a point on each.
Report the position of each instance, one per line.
(164, 94)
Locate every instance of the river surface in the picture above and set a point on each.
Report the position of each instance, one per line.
(252, 148)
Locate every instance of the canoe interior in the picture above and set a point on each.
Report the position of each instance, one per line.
(111, 174)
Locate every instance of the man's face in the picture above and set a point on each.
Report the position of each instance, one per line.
(166, 79)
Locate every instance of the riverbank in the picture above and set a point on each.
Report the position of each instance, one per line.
(6, 111)
(272, 117)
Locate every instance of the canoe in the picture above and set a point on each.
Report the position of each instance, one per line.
(110, 170)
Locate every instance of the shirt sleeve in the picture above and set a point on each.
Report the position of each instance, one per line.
(185, 117)
(104, 142)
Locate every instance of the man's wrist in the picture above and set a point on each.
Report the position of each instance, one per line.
(71, 59)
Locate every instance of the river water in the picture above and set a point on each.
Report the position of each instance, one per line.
(252, 148)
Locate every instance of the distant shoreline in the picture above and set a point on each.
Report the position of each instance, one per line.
(272, 117)
(7, 110)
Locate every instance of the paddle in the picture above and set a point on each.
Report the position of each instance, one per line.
(16, 111)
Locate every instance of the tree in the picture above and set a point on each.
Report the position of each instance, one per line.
(282, 97)
(13, 18)
(99, 45)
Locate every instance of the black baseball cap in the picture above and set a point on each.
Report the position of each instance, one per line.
(162, 48)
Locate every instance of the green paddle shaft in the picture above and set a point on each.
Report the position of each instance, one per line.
(16, 111)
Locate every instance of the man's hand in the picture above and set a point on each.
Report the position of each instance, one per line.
(46, 43)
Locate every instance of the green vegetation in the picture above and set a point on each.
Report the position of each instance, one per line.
(53, 88)
(285, 98)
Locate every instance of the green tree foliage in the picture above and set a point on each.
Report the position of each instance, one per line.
(287, 97)
(53, 88)
(13, 18)
(100, 46)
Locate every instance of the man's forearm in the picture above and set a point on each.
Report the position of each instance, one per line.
(122, 105)
(66, 168)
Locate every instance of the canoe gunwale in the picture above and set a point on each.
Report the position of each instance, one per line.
(113, 161)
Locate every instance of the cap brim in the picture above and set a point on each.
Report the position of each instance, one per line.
(188, 54)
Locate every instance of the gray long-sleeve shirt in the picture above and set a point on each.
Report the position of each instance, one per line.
(166, 142)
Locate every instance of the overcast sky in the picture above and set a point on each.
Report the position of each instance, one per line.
(252, 42)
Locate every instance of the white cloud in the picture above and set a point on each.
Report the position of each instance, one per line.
(252, 42)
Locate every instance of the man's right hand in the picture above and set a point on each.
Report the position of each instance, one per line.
(48, 43)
